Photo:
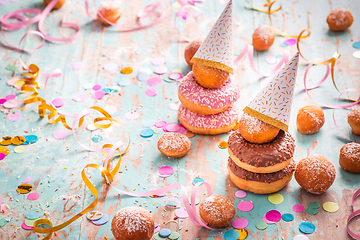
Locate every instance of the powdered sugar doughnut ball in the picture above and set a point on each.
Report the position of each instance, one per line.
(110, 10)
(310, 119)
(217, 211)
(350, 157)
(174, 145)
(315, 174)
(191, 49)
(58, 5)
(263, 38)
(354, 120)
(133, 223)
(339, 19)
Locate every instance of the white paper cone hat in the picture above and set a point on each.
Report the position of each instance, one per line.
(273, 103)
(217, 49)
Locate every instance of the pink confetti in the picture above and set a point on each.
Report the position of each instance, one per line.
(58, 102)
(158, 61)
(240, 194)
(175, 76)
(151, 92)
(113, 71)
(166, 170)
(96, 87)
(172, 127)
(174, 106)
(182, 130)
(2, 156)
(298, 208)
(270, 59)
(245, 206)
(12, 81)
(10, 104)
(80, 97)
(181, 213)
(131, 115)
(273, 215)
(160, 70)
(2, 101)
(78, 66)
(240, 223)
(13, 116)
(267, 221)
(290, 41)
(60, 134)
(24, 226)
(10, 97)
(27, 180)
(33, 196)
(153, 81)
(98, 95)
(160, 124)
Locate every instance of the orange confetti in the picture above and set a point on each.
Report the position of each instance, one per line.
(236, 126)
(223, 144)
(127, 70)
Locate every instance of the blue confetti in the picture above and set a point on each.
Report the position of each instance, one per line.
(31, 139)
(197, 180)
(287, 217)
(164, 232)
(148, 123)
(307, 227)
(142, 76)
(231, 235)
(33, 214)
(146, 133)
(356, 45)
(124, 82)
(283, 45)
(97, 138)
(106, 90)
(104, 219)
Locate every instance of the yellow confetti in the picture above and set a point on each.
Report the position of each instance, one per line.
(4, 150)
(5, 141)
(19, 149)
(127, 70)
(236, 126)
(24, 188)
(331, 207)
(223, 144)
(18, 140)
(276, 198)
(243, 233)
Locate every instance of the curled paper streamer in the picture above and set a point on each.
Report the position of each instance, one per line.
(353, 215)
(178, 13)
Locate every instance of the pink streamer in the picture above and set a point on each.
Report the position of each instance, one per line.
(183, 9)
(353, 215)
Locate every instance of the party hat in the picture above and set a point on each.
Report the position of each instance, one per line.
(217, 49)
(273, 103)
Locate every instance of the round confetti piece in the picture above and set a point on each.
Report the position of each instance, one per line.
(88, 85)
(24, 226)
(33, 196)
(287, 217)
(273, 215)
(27, 180)
(356, 54)
(239, 223)
(231, 235)
(173, 203)
(261, 225)
(111, 66)
(164, 232)
(300, 237)
(197, 180)
(5, 140)
(124, 82)
(97, 138)
(98, 95)
(101, 221)
(307, 227)
(2, 156)
(331, 207)
(314, 205)
(174, 106)
(80, 97)
(148, 123)
(175, 76)
(174, 235)
(13, 116)
(160, 124)
(3, 222)
(94, 215)
(158, 61)
(2, 101)
(127, 70)
(267, 221)
(60, 134)
(18, 140)
(245, 206)
(146, 133)
(24, 188)
(283, 45)
(142, 76)
(276, 198)
(160, 70)
(243, 233)
(2, 127)
(166, 170)
(298, 208)
(131, 115)
(223, 144)
(181, 213)
(10, 97)
(4, 150)
(356, 45)
(312, 211)
(157, 237)
(10, 104)
(153, 81)
(172, 127)
(96, 87)
(240, 194)
(78, 66)
(151, 92)
(12, 81)
(270, 60)
(33, 214)
(19, 149)
(58, 102)
(106, 90)
(290, 42)
(30, 222)
(31, 139)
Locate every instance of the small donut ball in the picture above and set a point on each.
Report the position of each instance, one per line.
(110, 10)
(255, 130)
(263, 38)
(133, 223)
(217, 211)
(354, 120)
(339, 19)
(174, 145)
(350, 157)
(310, 119)
(58, 5)
(209, 77)
(315, 174)
(191, 49)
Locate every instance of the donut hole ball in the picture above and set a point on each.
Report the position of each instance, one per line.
(58, 5)
(174, 145)
(310, 119)
(217, 211)
(354, 120)
(191, 49)
(209, 77)
(339, 19)
(349, 158)
(133, 223)
(315, 174)
(263, 38)
(109, 10)
(255, 130)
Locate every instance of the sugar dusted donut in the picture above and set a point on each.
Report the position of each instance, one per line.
(354, 120)
(207, 101)
(315, 174)
(263, 38)
(110, 10)
(261, 183)
(174, 145)
(350, 157)
(255, 130)
(191, 49)
(310, 119)
(209, 77)
(58, 5)
(339, 19)
(217, 211)
(208, 124)
(132, 223)
(262, 158)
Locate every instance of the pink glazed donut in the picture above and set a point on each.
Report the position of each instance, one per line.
(207, 101)
(208, 124)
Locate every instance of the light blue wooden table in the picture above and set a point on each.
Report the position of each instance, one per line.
(45, 161)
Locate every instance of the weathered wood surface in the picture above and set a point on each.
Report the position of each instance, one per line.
(97, 46)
